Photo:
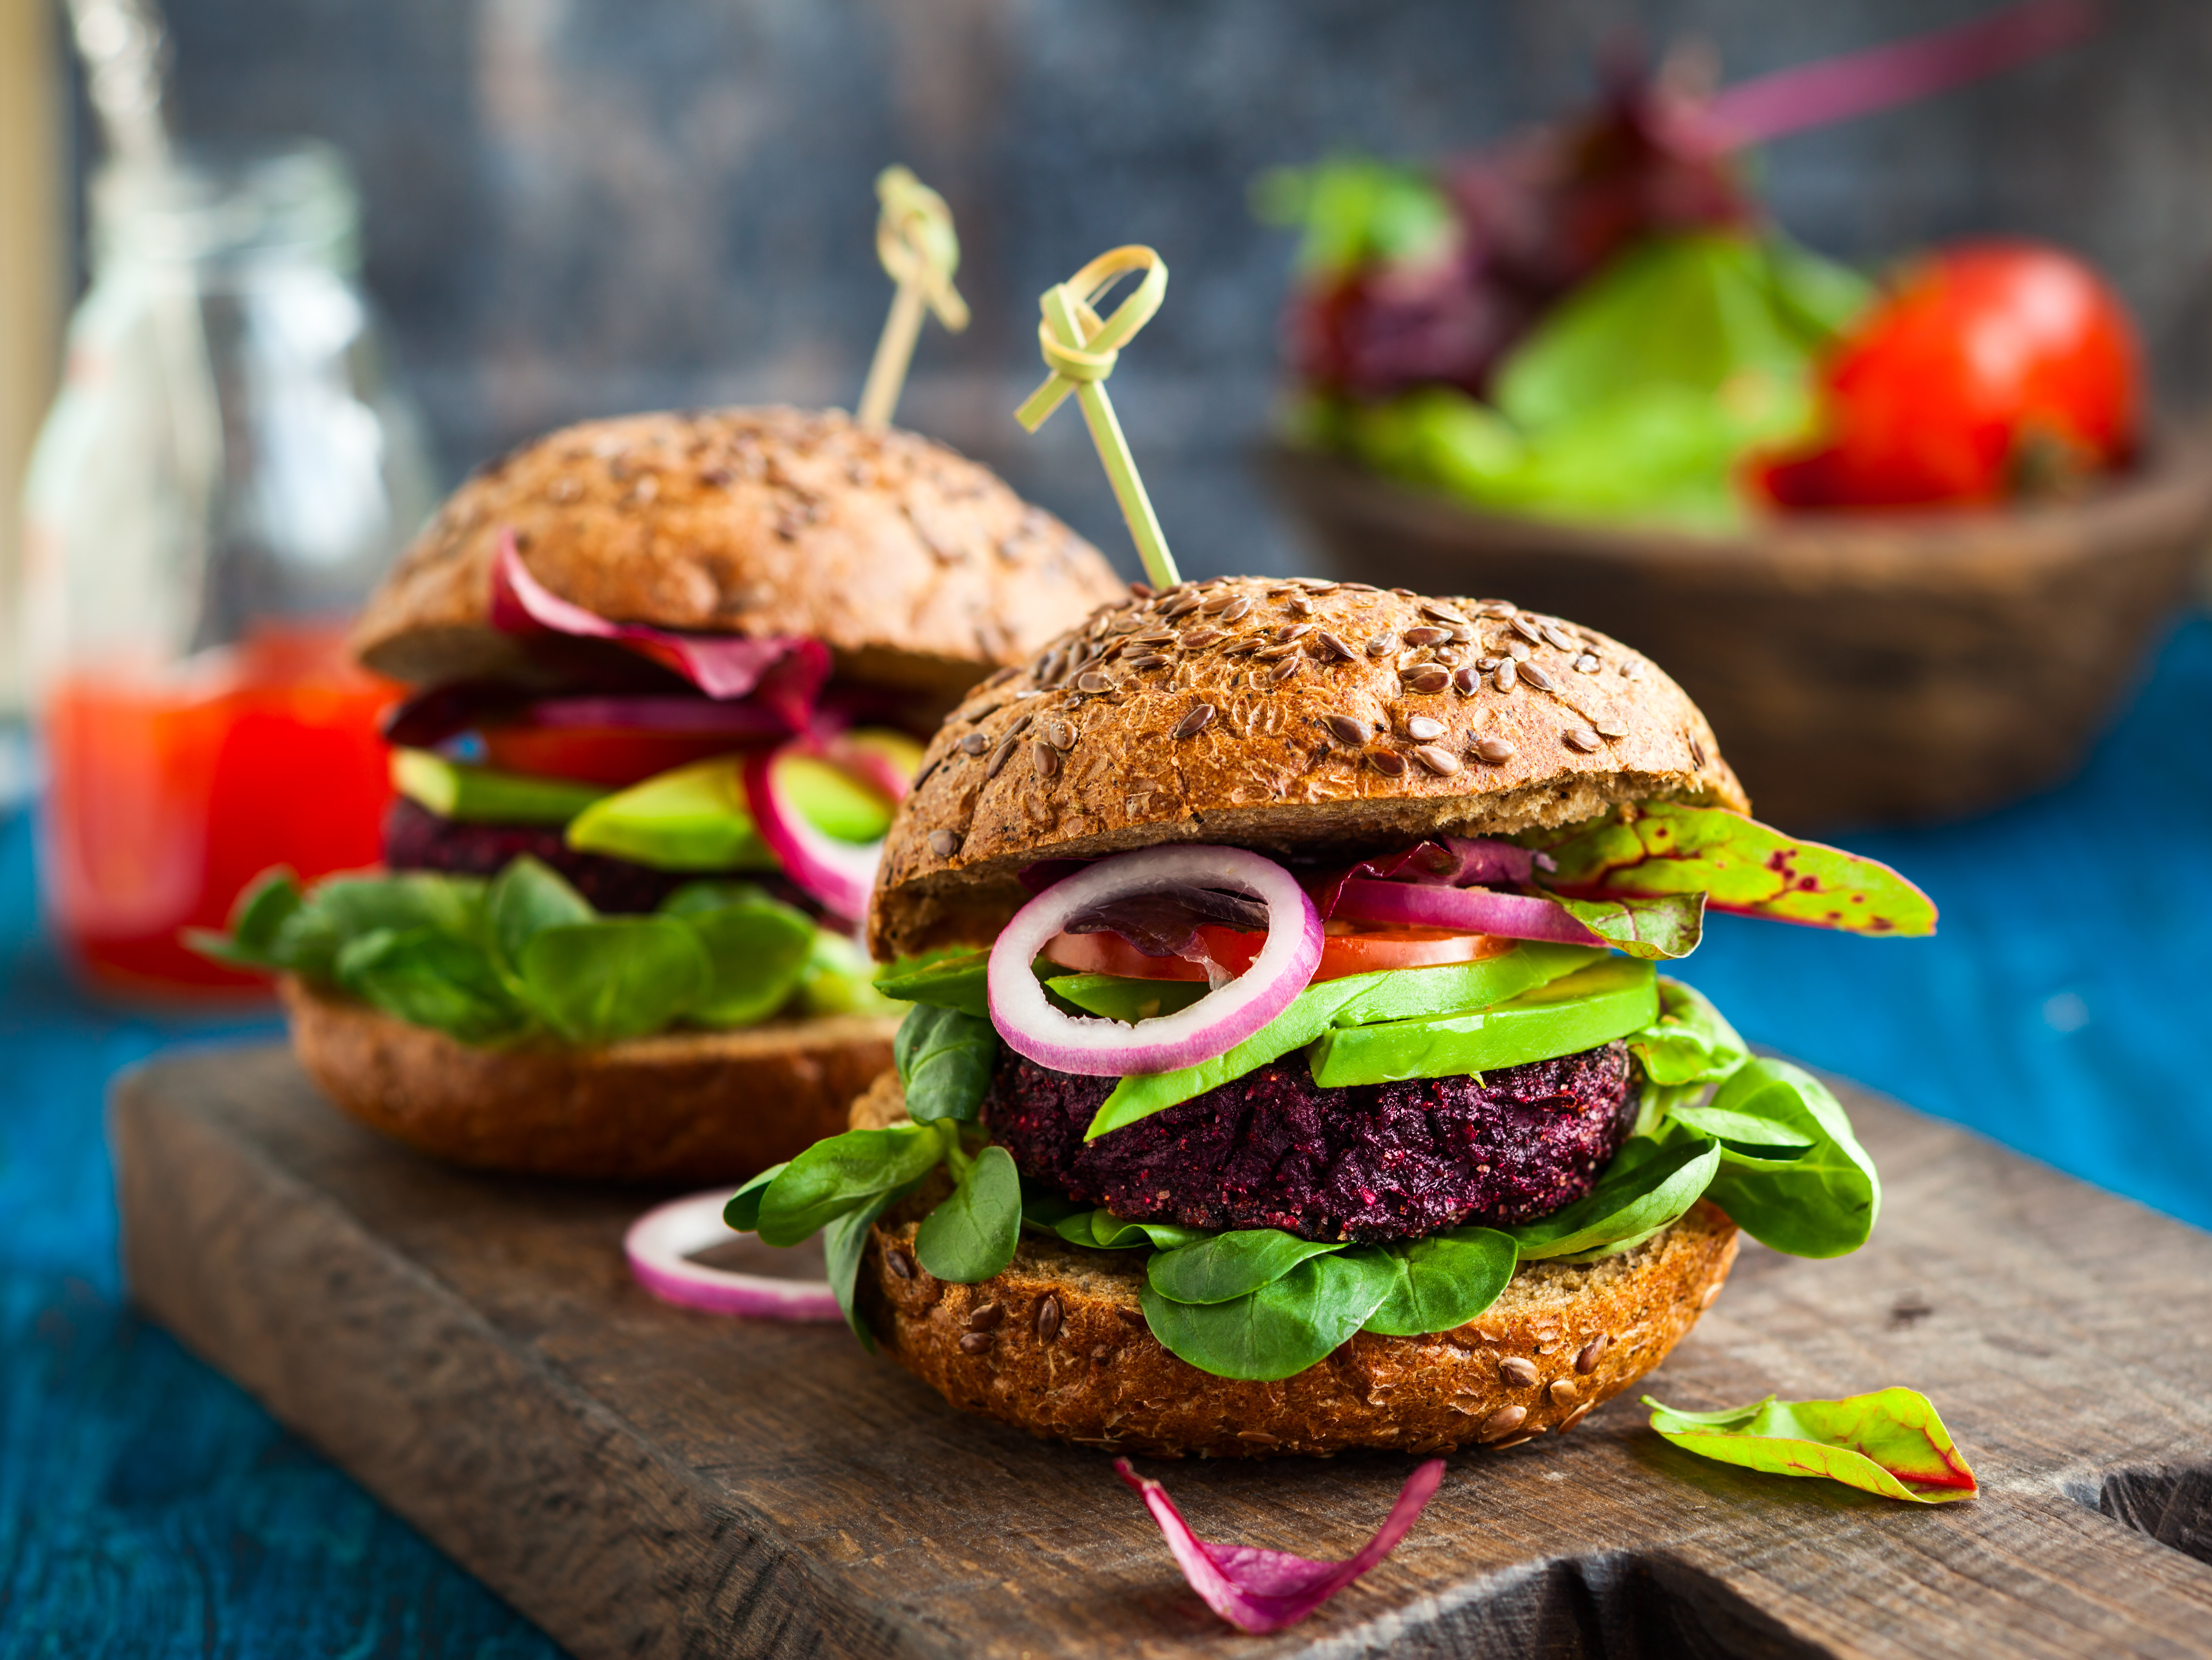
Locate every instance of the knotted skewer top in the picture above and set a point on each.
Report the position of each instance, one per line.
(1081, 349)
(920, 250)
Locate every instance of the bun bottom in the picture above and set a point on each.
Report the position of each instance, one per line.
(699, 1108)
(1056, 1343)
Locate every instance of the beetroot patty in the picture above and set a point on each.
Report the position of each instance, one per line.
(415, 838)
(1379, 1161)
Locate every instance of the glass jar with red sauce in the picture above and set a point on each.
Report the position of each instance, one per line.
(225, 474)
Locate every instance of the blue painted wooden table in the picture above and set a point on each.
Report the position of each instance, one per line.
(147, 1507)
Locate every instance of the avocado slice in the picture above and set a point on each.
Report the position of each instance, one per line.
(454, 789)
(694, 818)
(1594, 1005)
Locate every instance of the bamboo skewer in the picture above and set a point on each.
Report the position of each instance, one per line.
(915, 240)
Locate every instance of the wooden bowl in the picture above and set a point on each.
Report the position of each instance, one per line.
(1859, 669)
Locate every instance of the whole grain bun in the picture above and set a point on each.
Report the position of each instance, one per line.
(1291, 716)
(1056, 1343)
(692, 1107)
(917, 567)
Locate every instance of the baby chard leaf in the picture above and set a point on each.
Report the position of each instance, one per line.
(1443, 1281)
(971, 1235)
(1891, 1442)
(1739, 865)
(944, 1059)
(1668, 924)
(1279, 1330)
(1222, 1266)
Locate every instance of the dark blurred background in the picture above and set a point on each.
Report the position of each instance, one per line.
(575, 209)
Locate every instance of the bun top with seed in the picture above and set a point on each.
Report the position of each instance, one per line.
(1291, 716)
(914, 565)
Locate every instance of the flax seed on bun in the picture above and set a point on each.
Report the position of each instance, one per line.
(916, 566)
(1285, 715)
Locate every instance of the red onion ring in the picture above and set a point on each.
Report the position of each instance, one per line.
(1214, 1024)
(659, 1243)
(839, 874)
(720, 664)
(1464, 910)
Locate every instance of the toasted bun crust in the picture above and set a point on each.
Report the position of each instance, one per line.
(916, 566)
(1056, 1343)
(1224, 712)
(692, 1107)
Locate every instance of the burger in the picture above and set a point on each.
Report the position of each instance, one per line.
(669, 675)
(1288, 1065)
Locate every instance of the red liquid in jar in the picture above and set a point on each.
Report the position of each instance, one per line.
(167, 794)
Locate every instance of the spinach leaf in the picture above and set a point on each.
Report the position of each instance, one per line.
(1648, 1184)
(944, 1060)
(427, 978)
(743, 1212)
(952, 982)
(972, 1233)
(1822, 1202)
(354, 905)
(756, 949)
(1224, 1265)
(1690, 1042)
(618, 977)
(1892, 1442)
(1101, 1230)
(526, 898)
(844, 1241)
(1441, 1282)
(1046, 1208)
(836, 1176)
(256, 924)
(1279, 1330)
(1740, 864)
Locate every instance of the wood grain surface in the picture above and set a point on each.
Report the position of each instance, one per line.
(644, 1481)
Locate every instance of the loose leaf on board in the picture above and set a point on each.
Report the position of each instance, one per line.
(1264, 1590)
(944, 1060)
(1740, 864)
(973, 1231)
(1891, 1442)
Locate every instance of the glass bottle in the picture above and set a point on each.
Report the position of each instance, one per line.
(225, 473)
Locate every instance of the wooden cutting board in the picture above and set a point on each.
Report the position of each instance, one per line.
(642, 1480)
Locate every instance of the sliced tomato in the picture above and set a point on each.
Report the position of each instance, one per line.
(1363, 951)
(614, 756)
